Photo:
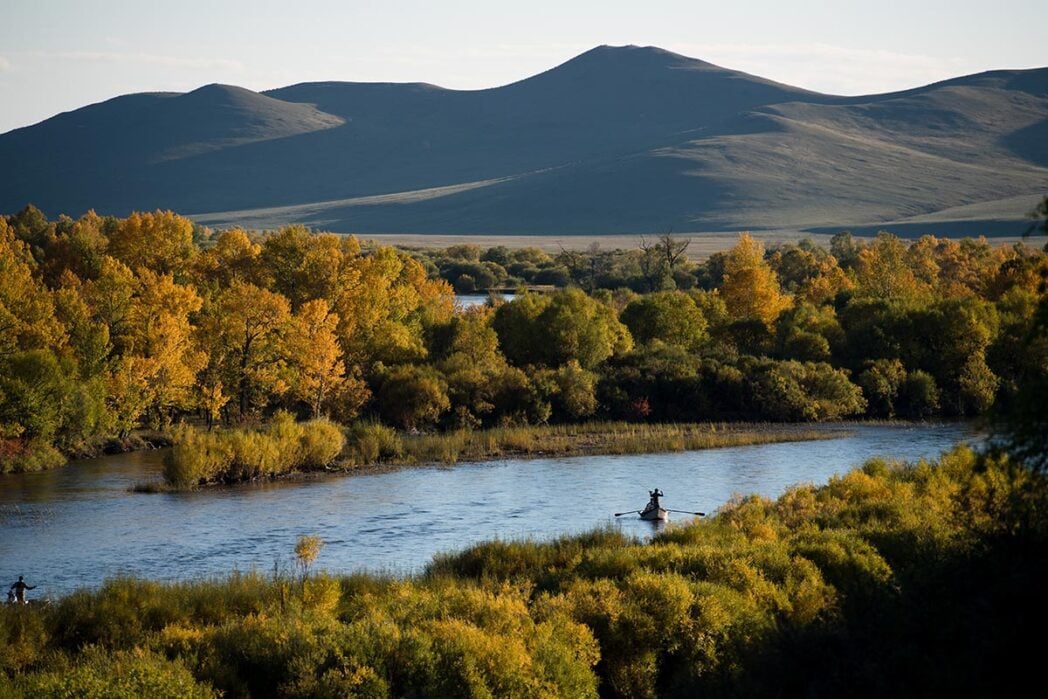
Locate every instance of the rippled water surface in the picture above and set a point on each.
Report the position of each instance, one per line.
(77, 525)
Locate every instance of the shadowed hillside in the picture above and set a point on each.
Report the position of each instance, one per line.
(617, 140)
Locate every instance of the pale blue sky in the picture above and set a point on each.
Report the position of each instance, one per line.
(57, 55)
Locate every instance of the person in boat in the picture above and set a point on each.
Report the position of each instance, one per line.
(19, 588)
(653, 504)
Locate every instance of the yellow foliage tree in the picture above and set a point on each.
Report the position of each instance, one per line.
(159, 332)
(314, 355)
(886, 269)
(384, 302)
(751, 287)
(242, 334)
(233, 257)
(161, 241)
(27, 312)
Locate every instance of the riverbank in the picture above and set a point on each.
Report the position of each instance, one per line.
(918, 579)
(235, 456)
(597, 438)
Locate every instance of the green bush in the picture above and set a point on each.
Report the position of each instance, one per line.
(100, 675)
(372, 442)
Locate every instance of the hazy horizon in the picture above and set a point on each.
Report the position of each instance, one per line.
(61, 55)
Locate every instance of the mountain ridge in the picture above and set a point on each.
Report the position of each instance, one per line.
(615, 140)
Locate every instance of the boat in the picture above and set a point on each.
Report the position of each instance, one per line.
(654, 513)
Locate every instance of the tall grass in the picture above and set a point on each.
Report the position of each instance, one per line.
(230, 456)
(592, 438)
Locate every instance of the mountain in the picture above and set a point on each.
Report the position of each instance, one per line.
(617, 140)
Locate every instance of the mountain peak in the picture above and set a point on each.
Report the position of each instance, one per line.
(639, 56)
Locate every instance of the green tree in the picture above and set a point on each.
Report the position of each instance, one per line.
(412, 396)
(670, 317)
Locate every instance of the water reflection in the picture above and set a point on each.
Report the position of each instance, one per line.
(78, 525)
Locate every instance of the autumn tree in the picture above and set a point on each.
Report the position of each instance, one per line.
(233, 257)
(751, 287)
(884, 270)
(314, 357)
(384, 303)
(304, 266)
(161, 241)
(158, 340)
(27, 319)
(242, 333)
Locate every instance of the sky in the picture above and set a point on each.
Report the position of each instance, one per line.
(57, 55)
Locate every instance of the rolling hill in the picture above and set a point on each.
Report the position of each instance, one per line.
(616, 140)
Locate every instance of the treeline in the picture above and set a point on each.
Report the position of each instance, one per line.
(916, 580)
(110, 324)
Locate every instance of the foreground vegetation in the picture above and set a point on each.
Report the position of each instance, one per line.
(108, 325)
(922, 579)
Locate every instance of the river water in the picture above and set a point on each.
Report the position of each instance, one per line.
(465, 301)
(77, 525)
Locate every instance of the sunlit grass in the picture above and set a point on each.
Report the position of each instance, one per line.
(592, 438)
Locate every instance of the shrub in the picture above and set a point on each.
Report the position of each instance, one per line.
(322, 442)
(371, 442)
(100, 674)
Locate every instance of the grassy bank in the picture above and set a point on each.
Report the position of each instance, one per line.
(594, 438)
(285, 448)
(919, 580)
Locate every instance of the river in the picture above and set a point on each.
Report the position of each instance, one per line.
(466, 301)
(77, 525)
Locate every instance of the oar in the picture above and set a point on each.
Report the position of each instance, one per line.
(631, 512)
(683, 512)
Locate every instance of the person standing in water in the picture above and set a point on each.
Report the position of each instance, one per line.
(19, 589)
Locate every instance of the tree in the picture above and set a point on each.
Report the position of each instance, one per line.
(241, 333)
(844, 249)
(159, 335)
(668, 316)
(413, 396)
(751, 288)
(27, 313)
(809, 333)
(304, 266)
(576, 326)
(881, 383)
(34, 387)
(161, 241)
(516, 325)
(884, 270)
(233, 257)
(575, 390)
(314, 355)
(802, 391)
(384, 303)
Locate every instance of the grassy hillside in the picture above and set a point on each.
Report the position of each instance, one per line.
(617, 140)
